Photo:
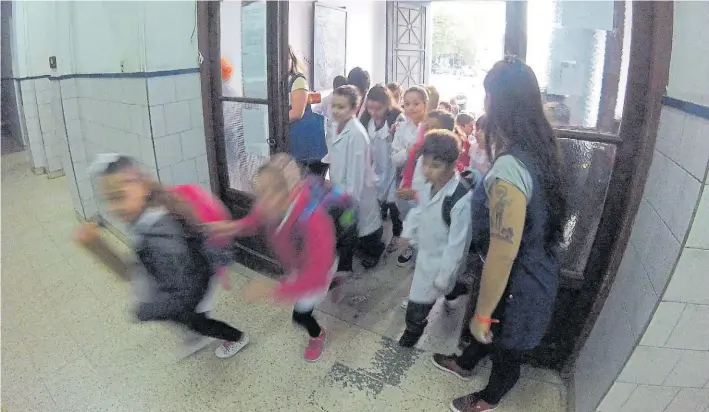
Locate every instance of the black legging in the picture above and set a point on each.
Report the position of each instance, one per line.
(200, 323)
(307, 321)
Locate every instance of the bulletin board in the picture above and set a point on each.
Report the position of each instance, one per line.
(329, 45)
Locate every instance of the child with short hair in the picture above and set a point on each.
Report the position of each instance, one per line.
(352, 169)
(305, 246)
(176, 268)
(441, 247)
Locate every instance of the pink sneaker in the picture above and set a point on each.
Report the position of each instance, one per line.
(315, 347)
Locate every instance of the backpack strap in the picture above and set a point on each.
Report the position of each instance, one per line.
(468, 181)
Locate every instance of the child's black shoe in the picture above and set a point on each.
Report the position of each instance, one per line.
(409, 339)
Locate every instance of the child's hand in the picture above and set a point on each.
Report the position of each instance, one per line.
(222, 229)
(406, 193)
(259, 290)
(480, 331)
(88, 233)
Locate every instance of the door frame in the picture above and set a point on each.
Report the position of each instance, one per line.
(250, 251)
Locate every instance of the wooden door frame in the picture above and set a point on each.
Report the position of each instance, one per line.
(209, 39)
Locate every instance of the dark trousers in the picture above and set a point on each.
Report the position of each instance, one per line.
(308, 322)
(200, 323)
(345, 248)
(506, 363)
(417, 317)
(371, 245)
(397, 226)
(506, 368)
(459, 290)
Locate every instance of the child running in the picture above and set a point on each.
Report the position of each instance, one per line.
(176, 268)
(303, 244)
(380, 115)
(352, 169)
(441, 247)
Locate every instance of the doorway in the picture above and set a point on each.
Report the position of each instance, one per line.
(584, 54)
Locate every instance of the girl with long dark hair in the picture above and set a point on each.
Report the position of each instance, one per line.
(519, 213)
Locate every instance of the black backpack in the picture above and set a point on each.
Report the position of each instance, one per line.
(468, 180)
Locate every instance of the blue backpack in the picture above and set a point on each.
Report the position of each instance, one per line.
(341, 207)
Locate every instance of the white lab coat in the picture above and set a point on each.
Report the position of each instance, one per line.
(441, 250)
(352, 168)
(404, 139)
(383, 166)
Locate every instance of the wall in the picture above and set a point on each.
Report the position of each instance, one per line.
(127, 82)
(366, 34)
(649, 349)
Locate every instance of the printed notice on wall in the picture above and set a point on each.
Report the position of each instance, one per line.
(253, 49)
(256, 131)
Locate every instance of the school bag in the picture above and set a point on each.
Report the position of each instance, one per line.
(307, 134)
(468, 180)
(339, 204)
(207, 209)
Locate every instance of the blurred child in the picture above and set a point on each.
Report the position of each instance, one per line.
(305, 246)
(396, 93)
(380, 115)
(352, 169)
(173, 279)
(465, 124)
(442, 247)
(359, 78)
(478, 153)
(445, 106)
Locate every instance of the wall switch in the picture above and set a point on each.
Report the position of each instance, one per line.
(52, 62)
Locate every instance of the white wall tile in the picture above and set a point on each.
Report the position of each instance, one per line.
(699, 232)
(690, 280)
(71, 108)
(695, 400)
(649, 365)
(165, 176)
(139, 120)
(672, 192)
(202, 169)
(692, 331)
(663, 321)
(68, 88)
(188, 86)
(168, 151)
(30, 110)
(157, 121)
(177, 117)
(161, 90)
(616, 397)
(147, 152)
(693, 152)
(656, 247)
(196, 114)
(193, 143)
(86, 190)
(185, 173)
(692, 370)
(649, 399)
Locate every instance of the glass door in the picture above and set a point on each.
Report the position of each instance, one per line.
(242, 41)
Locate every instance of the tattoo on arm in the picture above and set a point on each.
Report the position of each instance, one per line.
(497, 227)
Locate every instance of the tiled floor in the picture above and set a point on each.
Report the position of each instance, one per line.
(69, 345)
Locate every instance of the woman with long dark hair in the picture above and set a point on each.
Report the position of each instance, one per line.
(519, 213)
(307, 129)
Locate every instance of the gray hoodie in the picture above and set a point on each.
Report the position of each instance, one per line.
(173, 268)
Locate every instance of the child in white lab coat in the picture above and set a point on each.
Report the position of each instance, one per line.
(378, 117)
(352, 168)
(442, 248)
(405, 136)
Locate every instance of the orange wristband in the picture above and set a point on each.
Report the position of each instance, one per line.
(485, 321)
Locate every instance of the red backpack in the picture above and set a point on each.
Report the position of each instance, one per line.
(207, 208)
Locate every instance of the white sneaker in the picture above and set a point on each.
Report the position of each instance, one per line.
(194, 344)
(228, 349)
(406, 258)
(404, 304)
